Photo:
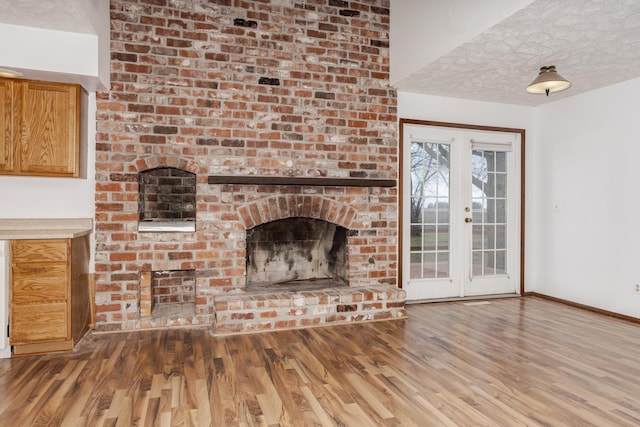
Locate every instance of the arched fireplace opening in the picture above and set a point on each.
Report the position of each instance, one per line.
(296, 254)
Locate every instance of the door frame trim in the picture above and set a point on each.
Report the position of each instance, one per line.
(521, 132)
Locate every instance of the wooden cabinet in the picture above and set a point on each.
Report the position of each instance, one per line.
(6, 127)
(49, 294)
(40, 128)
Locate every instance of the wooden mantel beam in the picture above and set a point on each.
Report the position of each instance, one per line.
(304, 181)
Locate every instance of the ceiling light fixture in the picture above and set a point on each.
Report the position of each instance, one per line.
(548, 80)
(5, 72)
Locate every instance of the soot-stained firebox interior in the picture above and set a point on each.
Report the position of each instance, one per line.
(296, 254)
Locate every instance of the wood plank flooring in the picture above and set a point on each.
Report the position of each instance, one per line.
(511, 362)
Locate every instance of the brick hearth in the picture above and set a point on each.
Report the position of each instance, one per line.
(287, 89)
(264, 312)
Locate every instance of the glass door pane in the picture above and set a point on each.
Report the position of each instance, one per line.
(429, 210)
(489, 205)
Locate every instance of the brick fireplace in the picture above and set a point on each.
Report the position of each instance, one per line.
(279, 111)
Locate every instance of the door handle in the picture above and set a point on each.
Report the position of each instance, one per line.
(467, 220)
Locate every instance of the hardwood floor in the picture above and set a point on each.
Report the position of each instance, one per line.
(511, 362)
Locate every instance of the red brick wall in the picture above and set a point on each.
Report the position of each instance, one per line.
(287, 88)
(170, 287)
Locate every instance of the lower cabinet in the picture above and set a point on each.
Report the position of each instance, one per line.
(49, 294)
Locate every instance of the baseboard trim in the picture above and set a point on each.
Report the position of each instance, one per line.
(586, 307)
(467, 298)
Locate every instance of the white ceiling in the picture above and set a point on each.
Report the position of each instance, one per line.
(593, 43)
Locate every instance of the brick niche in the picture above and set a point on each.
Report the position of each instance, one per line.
(166, 194)
(247, 88)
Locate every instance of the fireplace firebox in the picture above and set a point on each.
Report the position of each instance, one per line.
(296, 254)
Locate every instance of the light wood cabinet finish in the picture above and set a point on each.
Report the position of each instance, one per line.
(44, 250)
(39, 322)
(40, 128)
(49, 294)
(6, 128)
(40, 282)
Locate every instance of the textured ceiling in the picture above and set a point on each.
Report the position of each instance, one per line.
(593, 43)
(62, 15)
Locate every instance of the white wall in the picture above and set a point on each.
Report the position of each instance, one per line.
(583, 223)
(582, 189)
(437, 108)
(61, 56)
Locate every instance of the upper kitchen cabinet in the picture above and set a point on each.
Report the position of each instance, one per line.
(40, 128)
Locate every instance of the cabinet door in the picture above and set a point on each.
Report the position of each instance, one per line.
(39, 251)
(49, 135)
(6, 131)
(35, 283)
(39, 322)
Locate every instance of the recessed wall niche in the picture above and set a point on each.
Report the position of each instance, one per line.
(167, 293)
(167, 200)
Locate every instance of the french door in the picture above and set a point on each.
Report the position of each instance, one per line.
(460, 212)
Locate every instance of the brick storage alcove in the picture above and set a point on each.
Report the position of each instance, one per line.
(167, 298)
(166, 199)
(268, 90)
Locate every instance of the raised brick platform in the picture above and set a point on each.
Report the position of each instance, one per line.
(253, 312)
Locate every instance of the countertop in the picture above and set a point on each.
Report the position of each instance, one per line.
(45, 228)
